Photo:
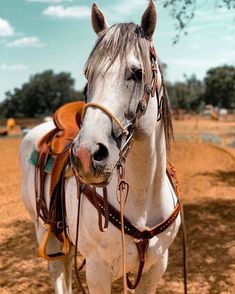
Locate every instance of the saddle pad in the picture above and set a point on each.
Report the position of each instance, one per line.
(49, 164)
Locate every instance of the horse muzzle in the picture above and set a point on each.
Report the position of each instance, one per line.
(91, 165)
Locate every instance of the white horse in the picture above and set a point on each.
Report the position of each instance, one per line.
(117, 72)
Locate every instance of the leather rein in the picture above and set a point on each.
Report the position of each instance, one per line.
(111, 214)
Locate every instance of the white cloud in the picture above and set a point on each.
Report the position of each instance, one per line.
(122, 10)
(68, 12)
(5, 28)
(127, 7)
(228, 38)
(191, 63)
(203, 63)
(13, 67)
(49, 1)
(25, 42)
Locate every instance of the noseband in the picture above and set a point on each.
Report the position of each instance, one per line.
(123, 129)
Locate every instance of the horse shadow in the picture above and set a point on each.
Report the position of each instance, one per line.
(22, 271)
(227, 177)
(211, 251)
(211, 248)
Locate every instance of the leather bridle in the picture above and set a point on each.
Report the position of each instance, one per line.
(129, 129)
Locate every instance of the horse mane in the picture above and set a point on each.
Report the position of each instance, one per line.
(118, 41)
(166, 113)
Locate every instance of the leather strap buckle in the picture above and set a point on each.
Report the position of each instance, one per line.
(60, 225)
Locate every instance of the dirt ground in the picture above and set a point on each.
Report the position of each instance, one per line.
(207, 179)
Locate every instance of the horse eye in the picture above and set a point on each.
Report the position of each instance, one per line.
(136, 75)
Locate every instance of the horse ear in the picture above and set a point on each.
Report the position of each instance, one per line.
(149, 19)
(98, 20)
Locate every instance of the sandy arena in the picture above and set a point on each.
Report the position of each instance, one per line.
(207, 178)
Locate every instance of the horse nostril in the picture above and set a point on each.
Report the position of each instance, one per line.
(82, 157)
(101, 153)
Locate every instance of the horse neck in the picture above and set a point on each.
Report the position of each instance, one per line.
(146, 162)
(146, 175)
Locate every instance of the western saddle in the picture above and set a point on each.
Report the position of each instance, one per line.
(55, 147)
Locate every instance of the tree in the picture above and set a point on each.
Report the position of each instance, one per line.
(184, 10)
(186, 95)
(220, 86)
(41, 96)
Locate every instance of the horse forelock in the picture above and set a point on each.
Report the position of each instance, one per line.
(117, 42)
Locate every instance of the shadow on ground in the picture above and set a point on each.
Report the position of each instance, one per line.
(20, 264)
(211, 246)
(227, 177)
(210, 226)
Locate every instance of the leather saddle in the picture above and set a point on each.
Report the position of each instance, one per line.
(56, 144)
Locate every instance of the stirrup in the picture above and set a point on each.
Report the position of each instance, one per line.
(43, 245)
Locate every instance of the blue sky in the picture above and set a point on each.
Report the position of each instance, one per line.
(36, 35)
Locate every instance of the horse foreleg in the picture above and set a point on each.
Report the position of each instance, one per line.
(98, 276)
(150, 279)
(60, 270)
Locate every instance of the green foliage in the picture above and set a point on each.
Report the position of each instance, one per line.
(217, 89)
(41, 96)
(186, 95)
(46, 91)
(220, 86)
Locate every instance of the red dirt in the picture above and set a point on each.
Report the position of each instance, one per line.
(207, 179)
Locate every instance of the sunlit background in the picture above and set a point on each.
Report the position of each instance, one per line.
(44, 45)
(36, 35)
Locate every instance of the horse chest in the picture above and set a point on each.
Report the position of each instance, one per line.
(106, 247)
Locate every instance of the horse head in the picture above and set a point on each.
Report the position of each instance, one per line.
(118, 72)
